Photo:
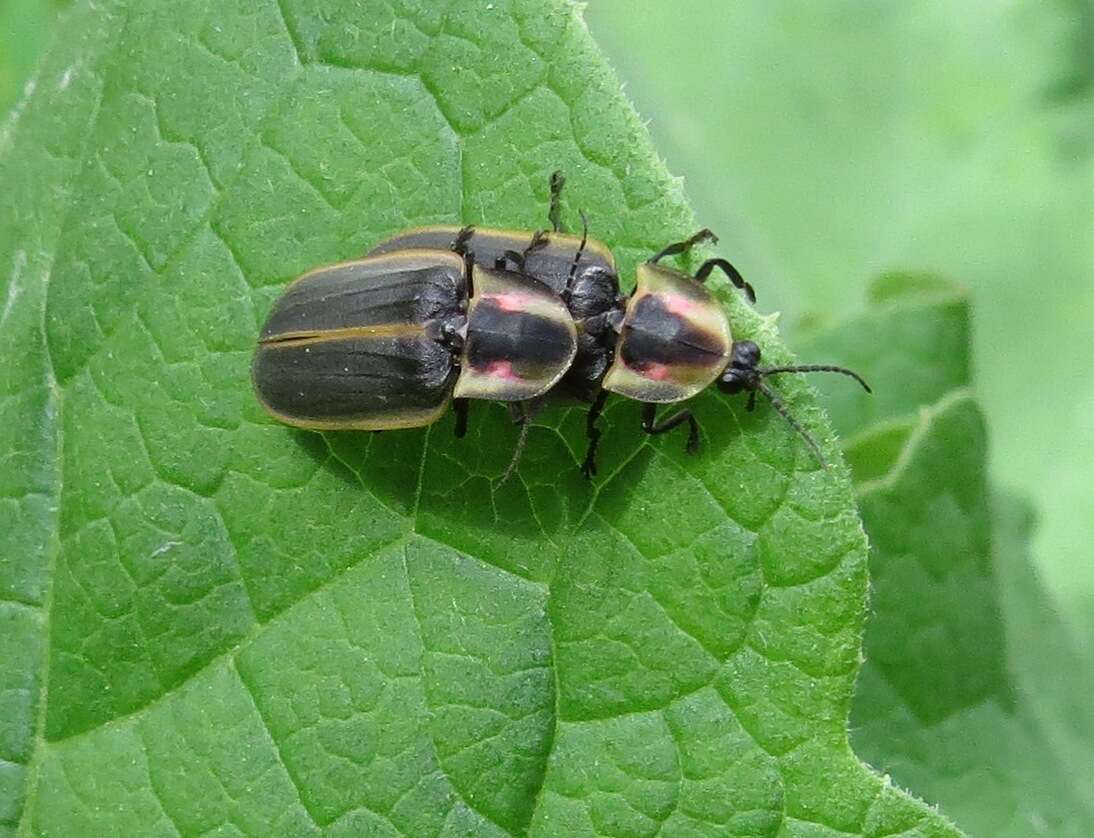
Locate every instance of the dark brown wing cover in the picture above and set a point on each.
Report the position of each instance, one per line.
(353, 345)
(550, 264)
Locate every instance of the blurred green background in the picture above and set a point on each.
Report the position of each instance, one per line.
(25, 26)
(829, 141)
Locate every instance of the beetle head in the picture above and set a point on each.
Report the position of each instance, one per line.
(742, 372)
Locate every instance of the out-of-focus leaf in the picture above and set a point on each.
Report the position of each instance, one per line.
(25, 26)
(970, 694)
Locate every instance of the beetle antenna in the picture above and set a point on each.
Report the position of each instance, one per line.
(577, 256)
(782, 410)
(525, 425)
(676, 248)
(765, 371)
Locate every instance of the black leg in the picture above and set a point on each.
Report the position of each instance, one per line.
(677, 248)
(518, 260)
(727, 268)
(592, 433)
(751, 406)
(468, 278)
(460, 406)
(554, 214)
(651, 426)
(538, 242)
(459, 244)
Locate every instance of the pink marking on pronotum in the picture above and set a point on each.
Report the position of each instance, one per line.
(679, 305)
(502, 369)
(510, 302)
(654, 372)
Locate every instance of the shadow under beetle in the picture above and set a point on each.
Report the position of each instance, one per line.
(444, 313)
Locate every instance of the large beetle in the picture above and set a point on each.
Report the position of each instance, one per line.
(440, 313)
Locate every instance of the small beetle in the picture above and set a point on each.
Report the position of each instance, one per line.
(447, 313)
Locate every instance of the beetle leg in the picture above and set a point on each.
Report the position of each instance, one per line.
(459, 244)
(538, 242)
(522, 439)
(521, 417)
(460, 406)
(554, 214)
(592, 433)
(727, 268)
(522, 413)
(751, 406)
(678, 248)
(509, 257)
(468, 276)
(526, 410)
(651, 426)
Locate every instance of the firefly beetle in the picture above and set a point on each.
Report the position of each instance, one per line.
(440, 314)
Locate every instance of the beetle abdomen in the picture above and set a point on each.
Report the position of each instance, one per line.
(357, 344)
(675, 339)
(520, 339)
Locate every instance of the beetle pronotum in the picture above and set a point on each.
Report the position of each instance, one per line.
(440, 314)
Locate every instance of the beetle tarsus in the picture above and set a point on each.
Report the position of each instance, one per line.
(459, 244)
(726, 267)
(519, 259)
(651, 426)
(680, 248)
(538, 242)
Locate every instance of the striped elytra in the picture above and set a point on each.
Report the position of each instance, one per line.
(352, 345)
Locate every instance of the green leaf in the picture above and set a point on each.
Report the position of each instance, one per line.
(938, 705)
(217, 624)
(970, 690)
